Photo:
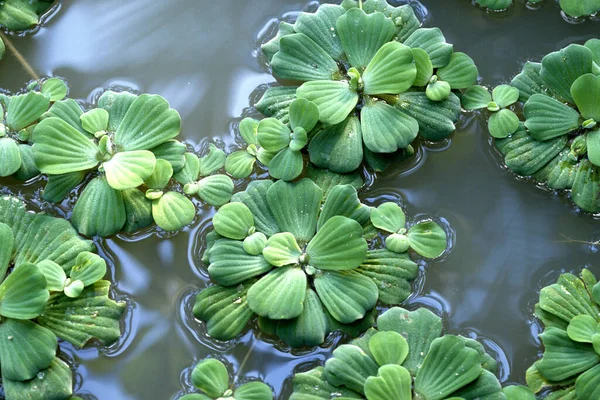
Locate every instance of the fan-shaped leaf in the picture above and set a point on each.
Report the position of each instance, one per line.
(434, 43)
(59, 186)
(56, 88)
(350, 366)
(95, 120)
(233, 221)
(503, 123)
(582, 328)
(386, 129)
(321, 28)
(475, 98)
(23, 294)
(190, 171)
(282, 249)
(576, 8)
(255, 198)
(54, 383)
(99, 210)
(391, 382)
(388, 348)
(423, 65)
(286, 165)
(338, 245)
(213, 161)
(253, 391)
(547, 118)
(312, 385)
(130, 169)
(428, 239)
(280, 294)
(461, 72)
(586, 94)
(215, 190)
(28, 169)
(173, 211)
(505, 95)
(138, 210)
(310, 328)
(593, 146)
(338, 147)
(276, 102)
(436, 118)
(392, 70)
(10, 157)
(211, 377)
(240, 164)
(172, 151)
(55, 275)
(561, 68)
(341, 200)
(6, 250)
(25, 109)
(303, 114)
(586, 187)
(334, 99)
(388, 217)
(529, 81)
(526, 155)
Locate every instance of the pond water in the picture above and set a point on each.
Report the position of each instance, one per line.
(511, 237)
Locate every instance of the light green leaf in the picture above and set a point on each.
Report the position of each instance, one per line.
(99, 209)
(461, 72)
(276, 102)
(312, 385)
(303, 114)
(320, 27)
(434, 43)
(6, 250)
(338, 245)
(55, 275)
(272, 46)
(388, 217)
(282, 249)
(428, 239)
(59, 148)
(23, 293)
(73, 288)
(334, 99)
(273, 135)
(586, 188)
(225, 310)
(172, 151)
(286, 165)
(593, 146)
(582, 328)
(194, 396)
(59, 186)
(89, 268)
(10, 157)
(255, 243)
(240, 164)
(54, 383)
(338, 147)
(160, 177)
(529, 81)
(423, 65)
(248, 130)
(310, 328)
(25, 349)
(149, 122)
(173, 211)
(56, 88)
(253, 391)
(138, 210)
(215, 190)
(505, 95)
(280, 294)
(438, 90)
(567, 299)
(28, 169)
(586, 94)
(391, 382)
(230, 264)
(392, 70)
(25, 109)
(436, 118)
(386, 129)
(95, 120)
(388, 348)
(342, 199)
(213, 161)
(347, 295)
(69, 111)
(211, 377)
(255, 198)
(234, 221)
(130, 169)
(350, 366)
(547, 118)
(486, 386)
(587, 385)
(295, 207)
(475, 98)
(301, 59)
(190, 171)
(503, 123)
(518, 393)
(576, 8)
(561, 68)
(594, 46)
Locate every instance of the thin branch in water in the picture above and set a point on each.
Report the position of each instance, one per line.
(19, 56)
(569, 240)
(245, 360)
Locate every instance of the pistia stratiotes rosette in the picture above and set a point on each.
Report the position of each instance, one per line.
(407, 356)
(21, 113)
(300, 262)
(51, 287)
(571, 8)
(570, 312)
(240, 163)
(503, 122)
(378, 80)
(211, 377)
(559, 143)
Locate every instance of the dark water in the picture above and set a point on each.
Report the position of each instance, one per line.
(511, 237)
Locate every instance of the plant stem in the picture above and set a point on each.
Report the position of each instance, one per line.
(244, 361)
(360, 4)
(19, 57)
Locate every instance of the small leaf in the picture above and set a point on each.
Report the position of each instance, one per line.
(253, 391)
(461, 72)
(338, 245)
(213, 161)
(338, 147)
(95, 120)
(594, 46)
(388, 348)
(505, 95)
(518, 393)
(233, 221)
(320, 27)
(56, 88)
(529, 81)
(582, 328)
(211, 377)
(99, 209)
(276, 102)
(475, 98)
(386, 129)
(130, 169)
(282, 249)
(172, 151)
(215, 190)
(280, 294)
(561, 68)
(388, 217)
(391, 382)
(503, 123)
(23, 293)
(138, 210)
(163, 171)
(190, 171)
(434, 43)
(423, 65)
(255, 243)
(255, 198)
(428, 239)
(28, 169)
(230, 264)
(334, 99)
(310, 328)
(10, 157)
(89, 268)
(342, 200)
(55, 275)
(273, 135)
(59, 186)
(286, 165)
(392, 70)
(73, 288)
(438, 90)
(173, 211)
(586, 187)
(248, 130)
(436, 118)
(586, 94)
(240, 164)
(350, 366)
(397, 243)
(547, 118)
(25, 109)
(303, 114)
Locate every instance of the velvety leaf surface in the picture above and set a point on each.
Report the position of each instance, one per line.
(476, 97)
(24, 109)
(310, 328)
(211, 377)
(99, 209)
(350, 366)
(59, 186)
(338, 245)
(428, 239)
(586, 94)
(526, 155)
(10, 156)
(233, 221)
(255, 198)
(282, 249)
(130, 169)
(503, 123)
(431, 40)
(23, 293)
(392, 70)
(561, 68)
(338, 147)
(212, 161)
(312, 385)
(586, 188)
(55, 383)
(423, 65)
(334, 99)
(436, 118)
(388, 348)
(386, 129)
(391, 382)
(547, 118)
(280, 294)
(529, 81)
(320, 27)
(253, 391)
(286, 165)
(215, 190)
(461, 72)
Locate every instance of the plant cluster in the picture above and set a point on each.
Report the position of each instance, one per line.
(558, 144)
(51, 287)
(571, 8)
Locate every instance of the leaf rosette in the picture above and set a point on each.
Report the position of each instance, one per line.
(299, 261)
(570, 8)
(377, 78)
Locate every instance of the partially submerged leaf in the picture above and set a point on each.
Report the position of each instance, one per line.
(211, 377)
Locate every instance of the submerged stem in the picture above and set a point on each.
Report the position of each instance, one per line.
(19, 56)
(244, 361)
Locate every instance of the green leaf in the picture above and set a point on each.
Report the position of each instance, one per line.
(310, 328)
(70, 112)
(92, 315)
(25, 349)
(53, 383)
(391, 382)
(28, 169)
(587, 385)
(215, 190)
(286, 165)
(561, 68)
(99, 210)
(138, 210)
(586, 94)
(18, 15)
(475, 98)
(276, 102)
(248, 130)
(320, 27)
(173, 211)
(117, 105)
(6, 250)
(211, 377)
(593, 146)
(295, 207)
(386, 129)
(397, 243)
(388, 217)
(89, 268)
(312, 385)
(338, 147)
(594, 46)
(527, 155)
(363, 35)
(190, 171)
(225, 310)
(388, 348)
(576, 8)
(448, 366)
(253, 391)
(392, 70)
(149, 122)
(564, 358)
(301, 59)
(338, 245)
(582, 328)
(213, 161)
(255, 198)
(273, 135)
(350, 366)
(56, 88)
(529, 81)
(586, 188)
(424, 67)
(496, 5)
(25, 109)
(334, 99)
(518, 393)
(73, 288)
(486, 386)
(341, 200)
(461, 72)
(130, 169)
(428, 239)
(255, 243)
(436, 118)
(234, 221)
(55, 275)
(280, 294)
(10, 156)
(59, 148)
(347, 295)
(505, 95)
(95, 120)
(438, 90)
(272, 46)
(503, 123)
(434, 43)
(240, 164)
(172, 151)
(282, 249)
(59, 186)
(547, 118)
(23, 293)
(303, 114)
(567, 298)
(160, 177)
(230, 264)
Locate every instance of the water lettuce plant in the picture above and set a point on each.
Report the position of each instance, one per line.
(377, 78)
(559, 142)
(571, 8)
(503, 122)
(570, 313)
(407, 356)
(304, 263)
(240, 164)
(211, 377)
(51, 288)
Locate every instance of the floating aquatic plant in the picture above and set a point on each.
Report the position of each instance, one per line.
(302, 263)
(503, 122)
(21, 113)
(571, 8)
(51, 287)
(559, 143)
(570, 312)
(407, 356)
(377, 78)
(211, 377)
(240, 163)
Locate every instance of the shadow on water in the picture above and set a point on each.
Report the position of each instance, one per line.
(510, 237)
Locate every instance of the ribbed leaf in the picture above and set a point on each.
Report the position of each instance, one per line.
(69, 111)
(253, 391)
(276, 102)
(55, 383)
(211, 377)
(255, 198)
(99, 210)
(547, 118)
(567, 298)
(89, 268)
(310, 328)
(213, 161)
(173, 211)
(391, 272)
(272, 46)
(505, 95)
(561, 68)
(559, 173)
(576, 8)
(320, 27)
(334, 99)
(423, 65)
(528, 81)
(392, 70)
(255, 244)
(587, 385)
(160, 177)
(434, 43)
(25, 109)
(593, 146)
(391, 382)
(386, 129)
(240, 164)
(503, 123)
(428, 239)
(526, 155)
(438, 90)
(280, 294)
(286, 165)
(117, 105)
(129, 169)
(138, 210)
(55, 275)
(586, 94)
(215, 190)
(436, 118)
(312, 385)
(172, 151)
(338, 147)
(342, 199)
(95, 120)
(582, 328)
(388, 348)
(23, 293)
(487, 386)
(475, 98)
(233, 221)
(350, 366)
(461, 72)
(19, 15)
(190, 171)
(6, 250)
(28, 169)
(56, 88)
(282, 249)
(338, 245)
(496, 5)
(10, 157)
(59, 186)
(594, 46)
(388, 217)
(586, 187)
(230, 264)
